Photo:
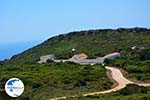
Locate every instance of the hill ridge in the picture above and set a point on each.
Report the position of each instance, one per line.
(86, 41)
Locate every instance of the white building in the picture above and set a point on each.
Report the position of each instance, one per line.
(112, 55)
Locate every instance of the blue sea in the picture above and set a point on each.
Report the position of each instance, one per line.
(8, 50)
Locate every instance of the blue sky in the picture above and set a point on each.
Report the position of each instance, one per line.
(29, 20)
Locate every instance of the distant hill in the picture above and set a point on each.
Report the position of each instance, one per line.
(94, 43)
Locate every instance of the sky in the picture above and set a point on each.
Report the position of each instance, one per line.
(37, 20)
(28, 20)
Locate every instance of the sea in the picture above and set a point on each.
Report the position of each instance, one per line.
(7, 50)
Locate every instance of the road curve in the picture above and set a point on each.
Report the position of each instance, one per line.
(118, 77)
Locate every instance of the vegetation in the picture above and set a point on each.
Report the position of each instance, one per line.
(131, 92)
(137, 69)
(51, 79)
(55, 79)
(95, 43)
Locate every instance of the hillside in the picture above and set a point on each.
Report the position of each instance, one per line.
(51, 79)
(94, 43)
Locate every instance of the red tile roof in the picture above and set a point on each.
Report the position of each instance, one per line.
(82, 56)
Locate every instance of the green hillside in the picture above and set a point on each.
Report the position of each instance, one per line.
(94, 43)
(52, 79)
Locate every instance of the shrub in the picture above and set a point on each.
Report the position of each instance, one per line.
(133, 89)
(80, 83)
(49, 61)
(36, 85)
(24, 98)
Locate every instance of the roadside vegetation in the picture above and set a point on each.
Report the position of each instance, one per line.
(137, 65)
(131, 92)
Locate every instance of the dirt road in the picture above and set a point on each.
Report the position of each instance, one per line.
(118, 77)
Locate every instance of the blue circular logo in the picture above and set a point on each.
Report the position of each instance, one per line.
(14, 87)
